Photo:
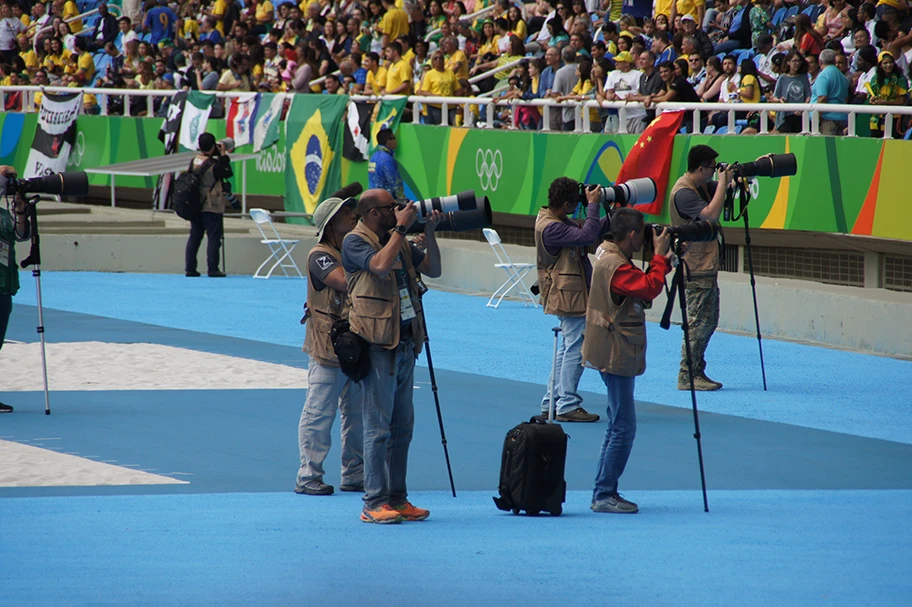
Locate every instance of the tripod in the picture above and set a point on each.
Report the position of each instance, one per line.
(741, 183)
(677, 284)
(34, 259)
(427, 349)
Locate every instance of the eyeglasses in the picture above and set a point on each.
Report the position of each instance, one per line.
(386, 206)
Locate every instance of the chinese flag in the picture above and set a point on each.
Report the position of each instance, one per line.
(651, 157)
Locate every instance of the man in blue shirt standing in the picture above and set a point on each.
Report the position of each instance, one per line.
(831, 86)
(382, 171)
(554, 63)
(161, 21)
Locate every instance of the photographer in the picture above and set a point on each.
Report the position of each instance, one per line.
(381, 268)
(11, 230)
(697, 197)
(328, 387)
(564, 274)
(214, 167)
(615, 342)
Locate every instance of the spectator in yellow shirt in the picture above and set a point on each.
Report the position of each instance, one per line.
(29, 57)
(217, 11)
(456, 60)
(438, 82)
(69, 11)
(694, 8)
(265, 12)
(393, 24)
(376, 74)
(489, 40)
(85, 63)
(399, 72)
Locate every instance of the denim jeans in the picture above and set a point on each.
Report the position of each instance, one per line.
(328, 390)
(618, 437)
(212, 225)
(389, 418)
(569, 367)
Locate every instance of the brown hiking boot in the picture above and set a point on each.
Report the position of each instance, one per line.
(701, 384)
(712, 381)
(578, 415)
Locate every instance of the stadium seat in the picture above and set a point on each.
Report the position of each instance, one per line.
(279, 248)
(515, 272)
(779, 16)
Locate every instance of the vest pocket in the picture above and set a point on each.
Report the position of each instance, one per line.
(375, 321)
(569, 293)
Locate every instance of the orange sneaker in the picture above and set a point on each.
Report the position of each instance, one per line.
(383, 515)
(411, 513)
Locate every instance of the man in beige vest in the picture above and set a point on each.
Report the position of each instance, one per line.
(564, 273)
(328, 389)
(696, 197)
(381, 268)
(615, 343)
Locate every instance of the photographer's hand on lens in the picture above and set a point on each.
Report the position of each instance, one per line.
(594, 194)
(661, 240)
(725, 176)
(406, 216)
(432, 221)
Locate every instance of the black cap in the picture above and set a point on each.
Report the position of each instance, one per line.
(206, 142)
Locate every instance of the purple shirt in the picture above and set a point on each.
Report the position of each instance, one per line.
(557, 236)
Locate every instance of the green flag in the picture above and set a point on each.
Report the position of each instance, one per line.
(313, 150)
(194, 118)
(387, 115)
(267, 121)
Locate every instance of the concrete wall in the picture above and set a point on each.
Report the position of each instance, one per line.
(872, 320)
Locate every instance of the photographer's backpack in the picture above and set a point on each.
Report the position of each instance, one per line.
(185, 195)
(532, 464)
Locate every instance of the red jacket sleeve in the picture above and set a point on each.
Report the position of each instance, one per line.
(630, 281)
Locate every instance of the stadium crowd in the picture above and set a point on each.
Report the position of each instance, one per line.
(728, 51)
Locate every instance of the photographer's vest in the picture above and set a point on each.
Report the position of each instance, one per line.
(9, 271)
(326, 307)
(561, 277)
(702, 257)
(375, 312)
(615, 337)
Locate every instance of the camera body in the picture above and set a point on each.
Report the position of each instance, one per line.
(695, 231)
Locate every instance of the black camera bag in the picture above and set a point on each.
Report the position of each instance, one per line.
(352, 350)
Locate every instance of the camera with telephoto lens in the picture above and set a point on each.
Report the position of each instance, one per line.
(771, 165)
(74, 183)
(634, 191)
(695, 231)
(461, 212)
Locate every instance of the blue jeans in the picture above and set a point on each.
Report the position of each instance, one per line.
(329, 390)
(569, 368)
(389, 418)
(618, 437)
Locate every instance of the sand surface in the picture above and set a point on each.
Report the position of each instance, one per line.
(105, 366)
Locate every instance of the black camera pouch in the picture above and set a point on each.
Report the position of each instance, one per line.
(352, 351)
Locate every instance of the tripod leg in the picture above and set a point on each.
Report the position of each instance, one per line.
(693, 393)
(753, 281)
(47, 400)
(443, 440)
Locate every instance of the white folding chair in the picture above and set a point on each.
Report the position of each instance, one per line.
(279, 248)
(515, 272)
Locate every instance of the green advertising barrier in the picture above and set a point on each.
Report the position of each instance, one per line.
(848, 186)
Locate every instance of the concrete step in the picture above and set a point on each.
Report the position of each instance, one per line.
(72, 210)
(94, 223)
(136, 230)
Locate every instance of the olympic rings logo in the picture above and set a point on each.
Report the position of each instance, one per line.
(77, 151)
(489, 168)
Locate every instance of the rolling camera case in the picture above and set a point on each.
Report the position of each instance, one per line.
(532, 464)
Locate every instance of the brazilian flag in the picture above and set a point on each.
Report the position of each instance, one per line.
(387, 115)
(313, 150)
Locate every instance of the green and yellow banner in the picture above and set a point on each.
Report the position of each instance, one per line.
(387, 115)
(313, 135)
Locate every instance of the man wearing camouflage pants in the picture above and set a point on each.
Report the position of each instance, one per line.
(698, 198)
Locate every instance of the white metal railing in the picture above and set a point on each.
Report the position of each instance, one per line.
(113, 8)
(487, 106)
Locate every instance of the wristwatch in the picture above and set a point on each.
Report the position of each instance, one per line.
(401, 229)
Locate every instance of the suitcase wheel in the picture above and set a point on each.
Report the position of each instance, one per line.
(515, 510)
(557, 511)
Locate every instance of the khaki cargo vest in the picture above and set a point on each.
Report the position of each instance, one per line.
(702, 257)
(561, 278)
(374, 313)
(326, 307)
(615, 338)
